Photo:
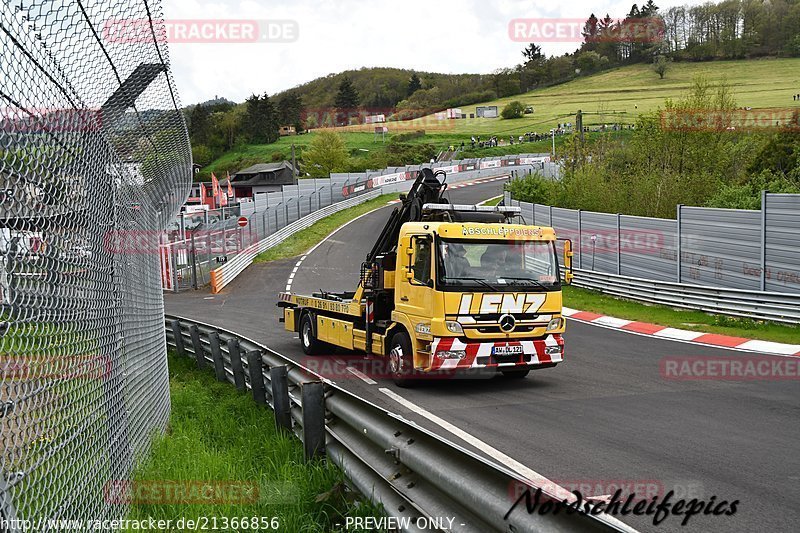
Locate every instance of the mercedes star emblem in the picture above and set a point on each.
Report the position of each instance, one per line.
(507, 323)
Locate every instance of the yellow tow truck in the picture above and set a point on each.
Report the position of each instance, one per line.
(446, 289)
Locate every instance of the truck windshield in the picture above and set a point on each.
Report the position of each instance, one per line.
(497, 265)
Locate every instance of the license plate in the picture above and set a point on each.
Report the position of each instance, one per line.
(507, 350)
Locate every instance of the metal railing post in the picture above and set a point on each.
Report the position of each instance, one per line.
(279, 381)
(763, 283)
(619, 246)
(580, 240)
(199, 353)
(178, 337)
(256, 370)
(216, 355)
(678, 244)
(313, 395)
(235, 353)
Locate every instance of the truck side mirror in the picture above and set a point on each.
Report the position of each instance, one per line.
(568, 275)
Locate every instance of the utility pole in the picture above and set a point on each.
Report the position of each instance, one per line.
(579, 124)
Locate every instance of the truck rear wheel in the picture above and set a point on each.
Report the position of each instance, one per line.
(400, 360)
(311, 345)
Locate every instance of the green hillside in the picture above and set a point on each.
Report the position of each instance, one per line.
(613, 96)
(618, 95)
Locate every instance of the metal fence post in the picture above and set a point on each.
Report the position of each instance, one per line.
(580, 241)
(313, 395)
(619, 246)
(256, 370)
(173, 253)
(178, 336)
(763, 240)
(678, 244)
(8, 513)
(199, 353)
(216, 356)
(194, 264)
(236, 364)
(279, 381)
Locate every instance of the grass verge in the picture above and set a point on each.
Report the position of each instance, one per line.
(596, 302)
(303, 240)
(219, 439)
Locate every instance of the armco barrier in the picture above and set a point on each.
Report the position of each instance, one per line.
(415, 475)
(223, 275)
(772, 306)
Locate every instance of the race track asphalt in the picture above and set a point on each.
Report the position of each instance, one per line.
(603, 417)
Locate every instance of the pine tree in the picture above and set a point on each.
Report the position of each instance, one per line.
(414, 84)
(199, 124)
(590, 32)
(347, 97)
(532, 52)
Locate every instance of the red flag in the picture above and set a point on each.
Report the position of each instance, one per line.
(202, 193)
(215, 186)
(230, 189)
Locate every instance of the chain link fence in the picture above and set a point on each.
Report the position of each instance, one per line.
(94, 156)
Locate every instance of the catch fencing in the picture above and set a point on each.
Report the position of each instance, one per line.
(93, 149)
(754, 255)
(204, 241)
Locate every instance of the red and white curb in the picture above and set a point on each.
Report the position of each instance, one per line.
(475, 182)
(685, 335)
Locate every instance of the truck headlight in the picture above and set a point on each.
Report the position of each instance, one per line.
(554, 324)
(453, 327)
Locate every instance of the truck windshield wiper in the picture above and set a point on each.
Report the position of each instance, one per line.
(479, 280)
(535, 282)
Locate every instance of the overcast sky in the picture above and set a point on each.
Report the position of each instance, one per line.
(451, 36)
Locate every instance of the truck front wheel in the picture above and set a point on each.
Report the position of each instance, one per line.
(311, 345)
(400, 360)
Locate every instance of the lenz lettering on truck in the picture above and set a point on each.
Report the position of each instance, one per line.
(446, 289)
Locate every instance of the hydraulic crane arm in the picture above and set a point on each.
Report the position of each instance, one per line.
(427, 189)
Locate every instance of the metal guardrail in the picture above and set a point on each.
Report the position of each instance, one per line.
(773, 306)
(412, 473)
(223, 275)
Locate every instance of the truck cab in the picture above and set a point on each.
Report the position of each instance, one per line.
(447, 290)
(476, 296)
